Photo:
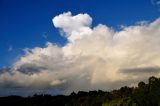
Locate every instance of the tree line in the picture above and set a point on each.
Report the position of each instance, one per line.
(143, 95)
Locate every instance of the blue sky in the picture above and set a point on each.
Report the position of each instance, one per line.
(28, 23)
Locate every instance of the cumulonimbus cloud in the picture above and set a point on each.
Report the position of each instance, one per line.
(94, 58)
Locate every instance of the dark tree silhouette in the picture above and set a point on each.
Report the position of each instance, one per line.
(143, 95)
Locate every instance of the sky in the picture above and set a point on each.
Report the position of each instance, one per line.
(59, 46)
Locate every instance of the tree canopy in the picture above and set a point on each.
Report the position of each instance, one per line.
(142, 95)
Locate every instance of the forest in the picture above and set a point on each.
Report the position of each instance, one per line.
(142, 95)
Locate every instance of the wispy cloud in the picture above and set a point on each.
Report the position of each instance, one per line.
(10, 48)
(44, 35)
(156, 3)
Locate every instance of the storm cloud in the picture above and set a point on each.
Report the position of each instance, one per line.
(93, 58)
(148, 70)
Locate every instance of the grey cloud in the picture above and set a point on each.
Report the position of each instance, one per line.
(30, 68)
(137, 71)
(4, 70)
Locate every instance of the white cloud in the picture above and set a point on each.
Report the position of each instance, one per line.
(93, 58)
(73, 27)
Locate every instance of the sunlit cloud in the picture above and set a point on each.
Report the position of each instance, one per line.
(93, 58)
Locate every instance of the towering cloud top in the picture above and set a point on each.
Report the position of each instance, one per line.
(72, 25)
(94, 58)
